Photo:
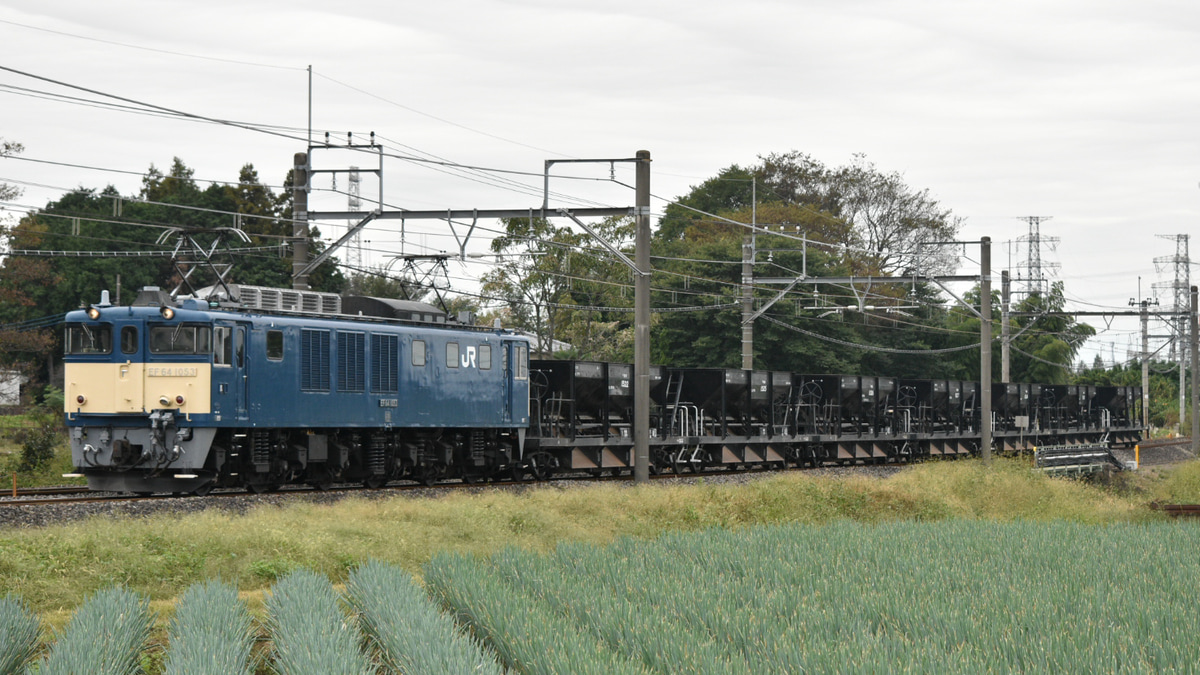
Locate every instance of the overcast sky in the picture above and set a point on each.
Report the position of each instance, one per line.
(1080, 111)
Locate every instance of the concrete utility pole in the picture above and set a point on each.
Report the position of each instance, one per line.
(985, 349)
(748, 253)
(300, 221)
(1005, 344)
(1195, 376)
(641, 319)
(1146, 365)
(747, 302)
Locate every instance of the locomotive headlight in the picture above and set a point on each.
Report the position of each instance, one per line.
(164, 401)
(93, 313)
(179, 400)
(167, 313)
(81, 399)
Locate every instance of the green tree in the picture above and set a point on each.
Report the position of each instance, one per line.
(23, 341)
(563, 286)
(1046, 349)
(812, 221)
(891, 222)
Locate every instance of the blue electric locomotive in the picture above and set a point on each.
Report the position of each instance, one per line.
(262, 387)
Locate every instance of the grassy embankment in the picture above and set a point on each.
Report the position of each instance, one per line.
(55, 568)
(12, 428)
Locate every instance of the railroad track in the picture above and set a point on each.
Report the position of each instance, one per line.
(1165, 442)
(79, 494)
(47, 491)
(1178, 510)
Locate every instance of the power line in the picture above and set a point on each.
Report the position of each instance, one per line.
(152, 106)
(870, 348)
(151, 49)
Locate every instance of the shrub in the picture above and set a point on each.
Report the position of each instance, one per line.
(38, 444)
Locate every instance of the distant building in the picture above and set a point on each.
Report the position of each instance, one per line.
(10, 387)
(555, 345)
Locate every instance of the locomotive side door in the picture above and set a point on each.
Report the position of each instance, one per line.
(516, 381)
(506, 358)
(230, 369)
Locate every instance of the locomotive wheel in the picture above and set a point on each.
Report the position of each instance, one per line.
(374, 482)
(321, 480)
(258, 488)
(203, 490)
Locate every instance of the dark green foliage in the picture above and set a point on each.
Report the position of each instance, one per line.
(105, 220)
(38, 444)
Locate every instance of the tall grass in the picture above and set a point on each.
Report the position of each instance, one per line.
(105, 636)
(409, 632)
(211, 633)
(1181, 485)
(311, 634)
(19, 633)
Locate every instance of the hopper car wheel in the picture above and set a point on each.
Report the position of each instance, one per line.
(539, 466)
(203, 490)
(374, 482)
(471, 479)
(683, 463)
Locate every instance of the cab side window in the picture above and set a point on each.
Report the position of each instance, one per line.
(222, 346)
(275, 345)
(129, 340)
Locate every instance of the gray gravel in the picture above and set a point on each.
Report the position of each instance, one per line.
(51, 514)
(1159, 456)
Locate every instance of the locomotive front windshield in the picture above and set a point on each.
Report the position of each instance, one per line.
(82, 338)
(181, 339)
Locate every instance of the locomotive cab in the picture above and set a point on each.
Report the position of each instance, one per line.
(137, 390)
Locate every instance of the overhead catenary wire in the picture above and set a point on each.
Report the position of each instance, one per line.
(456, 166)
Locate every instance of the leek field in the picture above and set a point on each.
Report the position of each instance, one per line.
(945, 567)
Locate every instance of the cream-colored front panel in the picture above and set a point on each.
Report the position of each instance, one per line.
(193, 381)
(138, 387)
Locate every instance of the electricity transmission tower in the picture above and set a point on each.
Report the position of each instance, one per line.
(354, 204)
(1180, 291)
(1035, 268)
